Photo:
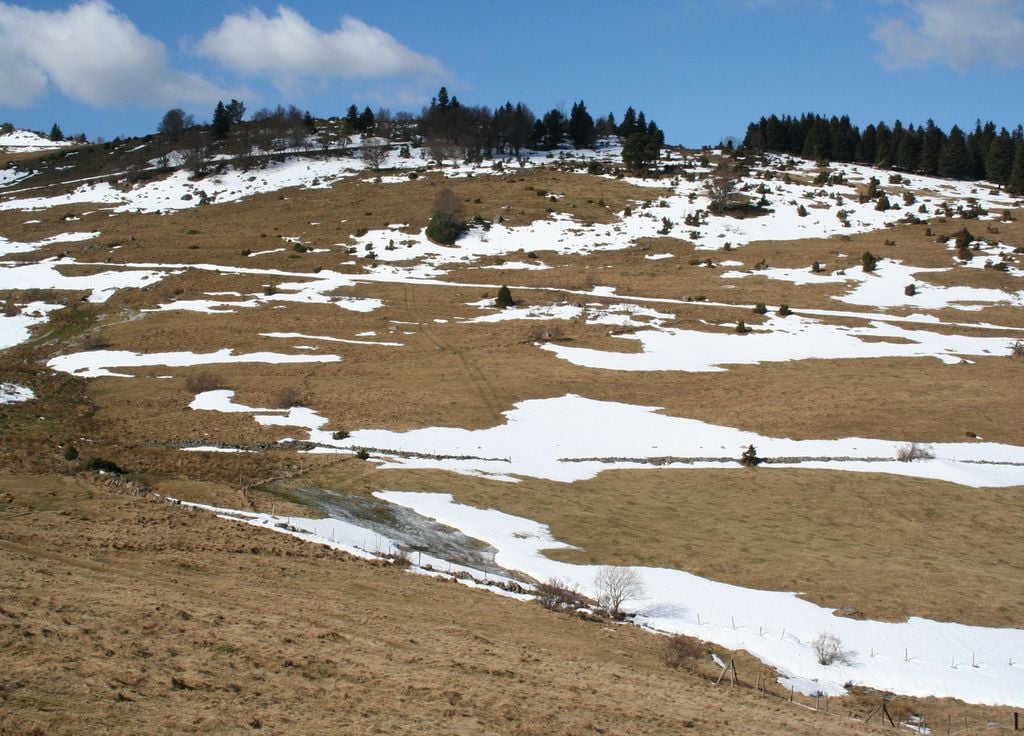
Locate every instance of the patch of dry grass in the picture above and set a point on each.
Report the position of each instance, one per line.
(168, 621)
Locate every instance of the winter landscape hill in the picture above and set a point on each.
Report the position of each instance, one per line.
(298, 429)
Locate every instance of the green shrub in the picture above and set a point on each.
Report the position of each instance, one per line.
(504, 298)
(869, 261)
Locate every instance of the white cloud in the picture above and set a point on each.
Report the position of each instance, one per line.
(287, 46)
(960, 33)
(90, 53)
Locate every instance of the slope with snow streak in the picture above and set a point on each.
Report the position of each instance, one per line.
(780, 339)
(910, 658)
(590, 436)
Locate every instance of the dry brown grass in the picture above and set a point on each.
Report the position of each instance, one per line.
(131, 615)
(887, 546)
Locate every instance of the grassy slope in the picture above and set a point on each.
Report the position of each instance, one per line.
(889, 547)
(127, 614)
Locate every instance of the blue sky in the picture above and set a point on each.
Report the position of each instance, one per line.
(702, 68)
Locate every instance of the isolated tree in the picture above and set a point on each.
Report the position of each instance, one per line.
(375, 156)
(447, 222)
(749, 457)
(55, 133)
(6, 128)
(613, 586)
(175, 122)
(723, 184)
(869, 261)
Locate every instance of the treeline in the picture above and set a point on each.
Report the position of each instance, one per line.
(984, 153)
(447, 128)
(479, 131)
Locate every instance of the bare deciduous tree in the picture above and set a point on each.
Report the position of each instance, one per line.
(722, 185)
(374, 156)
(615, 585)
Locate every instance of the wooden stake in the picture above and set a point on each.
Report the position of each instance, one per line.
(887, 715)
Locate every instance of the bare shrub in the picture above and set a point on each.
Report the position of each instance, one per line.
(11, 309)
(914, 451)
(683, 652)
(615, 585)
(375, 156)
(93, 341)
(545, 333)
(288, 397)
(1017, 349)
(197, 383)
(722, 185)
(828, 648)
(749, 457)
(558, 595)
(448, 219)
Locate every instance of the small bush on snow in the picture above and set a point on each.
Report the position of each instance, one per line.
(914, 451)
(828, 648)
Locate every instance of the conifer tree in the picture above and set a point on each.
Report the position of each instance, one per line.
(999, 161)
(236, 111)
(628, 126)
(366, 120)
(56, 134)
(352, 117)
(221, 122)
(1016, 182)
(581, 126)
(953, 158)
(504, 298)
(931, 146)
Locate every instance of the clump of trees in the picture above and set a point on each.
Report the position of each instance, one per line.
(447, 128)
(982, 153)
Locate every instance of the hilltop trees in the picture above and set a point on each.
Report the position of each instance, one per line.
(452, 128)
(983, 153)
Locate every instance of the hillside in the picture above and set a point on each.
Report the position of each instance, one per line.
(278, 340)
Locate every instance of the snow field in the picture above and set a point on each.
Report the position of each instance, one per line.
(572, 438)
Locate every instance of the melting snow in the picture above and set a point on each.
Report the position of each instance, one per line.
(96, 363)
